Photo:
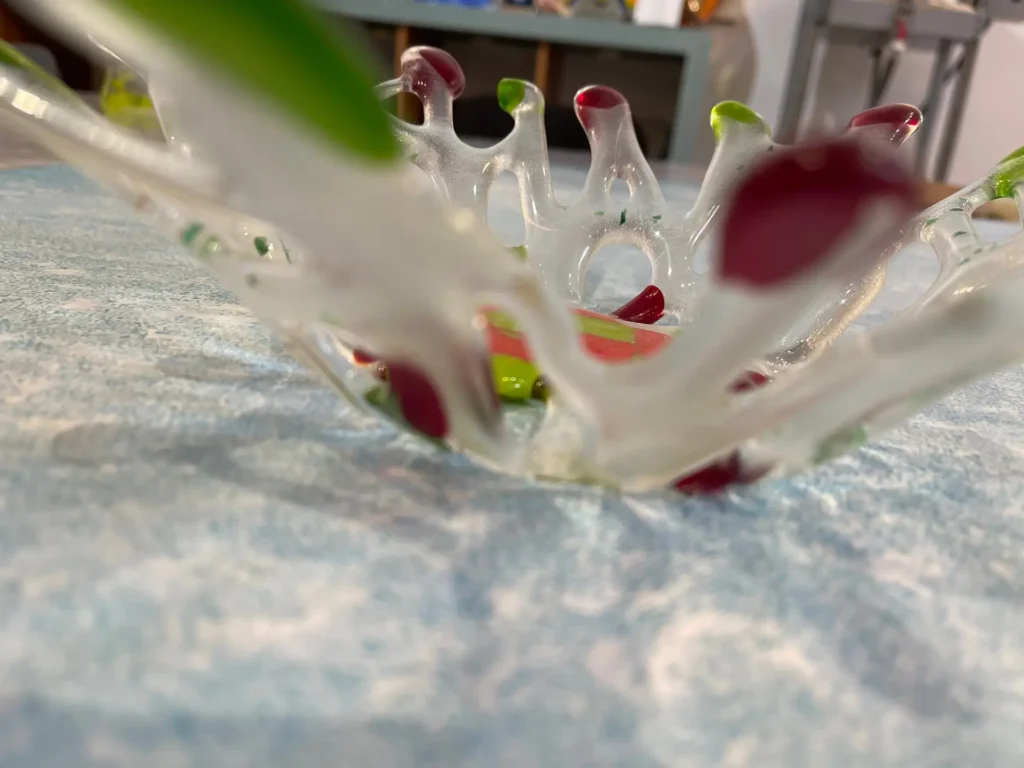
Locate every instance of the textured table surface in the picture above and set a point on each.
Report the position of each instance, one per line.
(207, 560)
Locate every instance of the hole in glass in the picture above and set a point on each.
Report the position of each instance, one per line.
(615, 274)
(997, 230)
(406, 107)
(619, 192)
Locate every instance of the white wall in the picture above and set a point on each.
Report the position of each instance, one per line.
(774, 24)
(994, 119)
(993, 123)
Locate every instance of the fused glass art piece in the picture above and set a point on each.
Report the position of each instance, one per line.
(283, 174)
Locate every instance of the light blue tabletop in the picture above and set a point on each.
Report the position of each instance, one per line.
(206, 559)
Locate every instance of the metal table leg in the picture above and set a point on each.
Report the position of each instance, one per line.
(954, 114)
(800, 69)
(877, 85)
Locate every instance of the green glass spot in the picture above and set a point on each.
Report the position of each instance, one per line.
(736, 112)
(252, 280)
(285, 52)
(1017, 154)
(1009, 174)
(622, 217)
(190, 233)
(656, 218)
(124, 98)
(377, 397)
(519, 250)
(210, 247)
(964, 261)
(514, 378)
(262, 246)
(840, 442)
(605, 329)
(599, 213)
(956, 210)
(959, 233)
(511, 93)
(501, 321)
(931, 221)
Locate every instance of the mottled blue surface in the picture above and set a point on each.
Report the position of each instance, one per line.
(207, 560)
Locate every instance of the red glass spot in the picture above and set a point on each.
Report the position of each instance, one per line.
(599, 97)
(794, 208)
(503, 342)
(719, 475)
(900, 119)
(419, 402)
(749, 380)
(447, 67)
(647, 307)
(596, 97)
(362, 357)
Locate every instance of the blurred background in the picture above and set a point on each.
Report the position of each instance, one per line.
(805, 65)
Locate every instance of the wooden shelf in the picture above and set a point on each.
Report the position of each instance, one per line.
(551, 34)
